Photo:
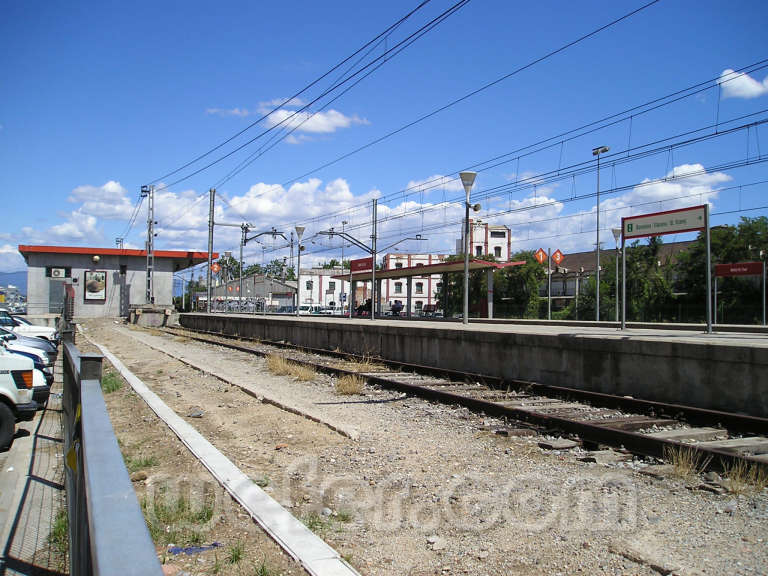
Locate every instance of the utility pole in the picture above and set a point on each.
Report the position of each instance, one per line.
(149, 193)
(374, 293)
(212, 193)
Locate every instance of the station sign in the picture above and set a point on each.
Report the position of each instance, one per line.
(557, 257)
(740, 269)
(361, 265)
(669, 222)
(540, 255)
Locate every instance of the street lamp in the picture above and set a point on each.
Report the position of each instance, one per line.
(616, 236)
(467, 180)
(299, 233)
(597, 152)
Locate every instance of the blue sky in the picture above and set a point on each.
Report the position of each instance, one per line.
(102, 97)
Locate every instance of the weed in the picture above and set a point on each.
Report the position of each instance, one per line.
(282, 367)
(217, 567)
(742, 477)
(111, 382)
(278, 365)
(135, 464)
(314, 522)
(58, 538)
(347, 558)
(687, 462)
(262, 482)
(350, 384)
(235, 552)
(263, 569)
(174, 521)
(303, 373)
(158, 372)
(343, 516)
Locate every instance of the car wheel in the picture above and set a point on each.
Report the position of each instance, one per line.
(7, 425)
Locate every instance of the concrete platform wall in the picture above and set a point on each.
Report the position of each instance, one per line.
(716, 376)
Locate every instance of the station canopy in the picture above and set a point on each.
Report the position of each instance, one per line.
(427, 270)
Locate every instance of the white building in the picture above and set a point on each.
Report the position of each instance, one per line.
(485, 239)
(424, 288)
(318, 287)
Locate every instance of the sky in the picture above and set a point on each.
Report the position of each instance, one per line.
(100, 98)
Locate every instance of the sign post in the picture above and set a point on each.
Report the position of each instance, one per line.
(660, 223)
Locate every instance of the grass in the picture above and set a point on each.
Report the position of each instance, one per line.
(58, 538)
(743, 477)
(263, 569)
(262, 482)
(174, 521)
(111, 382)
(344, 516)
(279, 366)
(315, 522)
(235, 552)
(136, 464)
(349, 385)
(686, 462)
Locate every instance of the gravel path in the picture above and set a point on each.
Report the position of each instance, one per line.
(429, 489)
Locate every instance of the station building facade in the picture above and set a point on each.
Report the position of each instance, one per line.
(103, 282)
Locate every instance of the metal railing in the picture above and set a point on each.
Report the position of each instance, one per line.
(107, 533)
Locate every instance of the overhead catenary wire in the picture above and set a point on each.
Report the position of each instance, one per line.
(574, 133)
(387, 31)
(307, 106)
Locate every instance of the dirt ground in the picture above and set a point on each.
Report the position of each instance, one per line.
(422, 489)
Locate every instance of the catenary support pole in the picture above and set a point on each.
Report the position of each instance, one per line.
(623, 280)
(549, 283)
(374, 292)
(709, 271)
(212, 194)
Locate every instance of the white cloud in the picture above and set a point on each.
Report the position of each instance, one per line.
(675, 191)
(293, 102)
(10, 259)
(740, 85)
(314, 123)
(109, 201)
(79, 228)
(227, 112)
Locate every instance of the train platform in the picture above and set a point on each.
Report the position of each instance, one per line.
(723, 370)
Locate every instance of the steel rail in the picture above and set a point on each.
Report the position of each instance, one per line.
(591, 433)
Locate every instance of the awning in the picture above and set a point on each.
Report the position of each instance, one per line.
(428, 270)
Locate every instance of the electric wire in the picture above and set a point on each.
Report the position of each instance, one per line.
(387, 31)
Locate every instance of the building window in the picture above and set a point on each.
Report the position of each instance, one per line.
(498, 234)
(419, 304)
(497, 251)
(419, 287)
(398, 287)
(331, 286)
(309, 284)
(478, 250)
(398, 264)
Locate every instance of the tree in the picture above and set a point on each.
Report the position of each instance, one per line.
(739, 299)
(516, 289)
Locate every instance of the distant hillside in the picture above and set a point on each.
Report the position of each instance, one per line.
(18, 279)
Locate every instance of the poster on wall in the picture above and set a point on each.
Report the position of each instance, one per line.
(95, 285)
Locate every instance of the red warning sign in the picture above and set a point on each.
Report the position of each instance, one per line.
(540, 255)
(557, 257)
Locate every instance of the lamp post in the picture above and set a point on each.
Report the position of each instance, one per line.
(467, 180)
(616, 236)
(299, 234)
(596, 152)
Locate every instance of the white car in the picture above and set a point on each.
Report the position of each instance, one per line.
(24, 327)
(16, 394)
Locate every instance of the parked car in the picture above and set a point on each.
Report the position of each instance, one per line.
(16, 391)
(23, 326)
(306, 309)
(33, 342)
(40, 359)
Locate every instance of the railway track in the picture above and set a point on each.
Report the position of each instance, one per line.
(717, 440)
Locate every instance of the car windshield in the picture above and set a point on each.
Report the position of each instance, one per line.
(22, 320)
(6, 335)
